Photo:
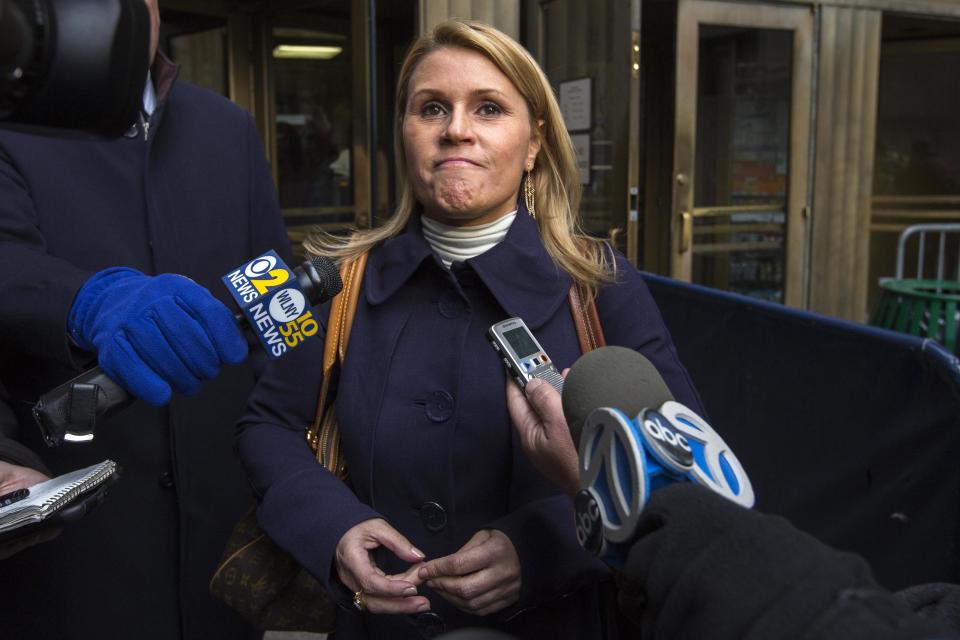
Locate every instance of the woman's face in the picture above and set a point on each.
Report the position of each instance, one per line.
(467, 136)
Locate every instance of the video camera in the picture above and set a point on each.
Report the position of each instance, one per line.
(73, 64)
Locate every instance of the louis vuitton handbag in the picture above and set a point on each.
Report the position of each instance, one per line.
(255, 577)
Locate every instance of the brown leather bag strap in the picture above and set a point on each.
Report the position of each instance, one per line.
(586, 320)
(342, 310)
(351, 291)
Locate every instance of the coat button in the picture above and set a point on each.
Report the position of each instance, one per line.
(433, 516)
(165, 480)
(430, 624)
(439, 406)
(466, 276)
(450, 304)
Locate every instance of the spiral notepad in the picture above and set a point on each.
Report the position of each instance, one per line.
(46, 498)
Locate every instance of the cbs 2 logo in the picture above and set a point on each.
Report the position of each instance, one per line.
(264, 274)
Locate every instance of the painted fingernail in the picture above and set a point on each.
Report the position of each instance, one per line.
(418, 553)
(412, 591)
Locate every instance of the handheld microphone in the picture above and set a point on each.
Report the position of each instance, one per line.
(274, 303)
(633, 439)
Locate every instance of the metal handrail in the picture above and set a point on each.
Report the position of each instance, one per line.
(728, 210)
(923, 229)
(915, 200)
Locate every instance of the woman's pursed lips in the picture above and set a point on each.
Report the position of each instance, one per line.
(456, 162)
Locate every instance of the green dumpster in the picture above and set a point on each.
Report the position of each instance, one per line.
(925, 308)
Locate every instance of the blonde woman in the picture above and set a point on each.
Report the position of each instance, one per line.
(486, 228)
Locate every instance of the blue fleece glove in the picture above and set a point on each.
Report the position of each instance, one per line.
(152, 333)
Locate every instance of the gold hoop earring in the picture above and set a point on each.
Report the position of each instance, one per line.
(530, 195)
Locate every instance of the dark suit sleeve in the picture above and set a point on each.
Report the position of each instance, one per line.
(10, 450)
(15, 453)
(36, 289)
(938, 600)
(704, 567)
(630, 318)
(303, 507)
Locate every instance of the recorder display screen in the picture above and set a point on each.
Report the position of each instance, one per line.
(521, 342)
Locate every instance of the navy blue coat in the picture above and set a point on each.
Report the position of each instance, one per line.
(426, 435)
(194, 198)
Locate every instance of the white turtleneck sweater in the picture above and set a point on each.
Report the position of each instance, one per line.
(457, 244)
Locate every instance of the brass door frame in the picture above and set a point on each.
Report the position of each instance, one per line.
(631, 196)
(633, 151)
(251, 86)
(691, 14)
(364, 152)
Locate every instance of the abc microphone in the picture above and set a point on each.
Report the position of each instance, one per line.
(275, 303)
(633, 439)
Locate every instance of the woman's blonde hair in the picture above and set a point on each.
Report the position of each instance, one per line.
(555, 175)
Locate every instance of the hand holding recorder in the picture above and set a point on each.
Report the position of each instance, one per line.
(649, 506)
(633, 439)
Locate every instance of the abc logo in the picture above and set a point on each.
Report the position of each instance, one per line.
(667, 445)
(588, 521)
(665, 434)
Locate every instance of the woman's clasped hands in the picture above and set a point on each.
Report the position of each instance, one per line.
(481, 578)
(358, 571)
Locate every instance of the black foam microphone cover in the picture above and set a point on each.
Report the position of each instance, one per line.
(615, 377)
(319, 279)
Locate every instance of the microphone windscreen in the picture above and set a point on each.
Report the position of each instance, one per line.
(319, 279)
(615, 377)
(329, 275)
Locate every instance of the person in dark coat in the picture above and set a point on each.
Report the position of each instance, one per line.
(186, 191)
(701, 566)
(438, 483)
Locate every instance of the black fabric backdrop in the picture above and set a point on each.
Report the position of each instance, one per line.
(851, 432)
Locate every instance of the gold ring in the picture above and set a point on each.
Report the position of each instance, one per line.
(358, 601)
